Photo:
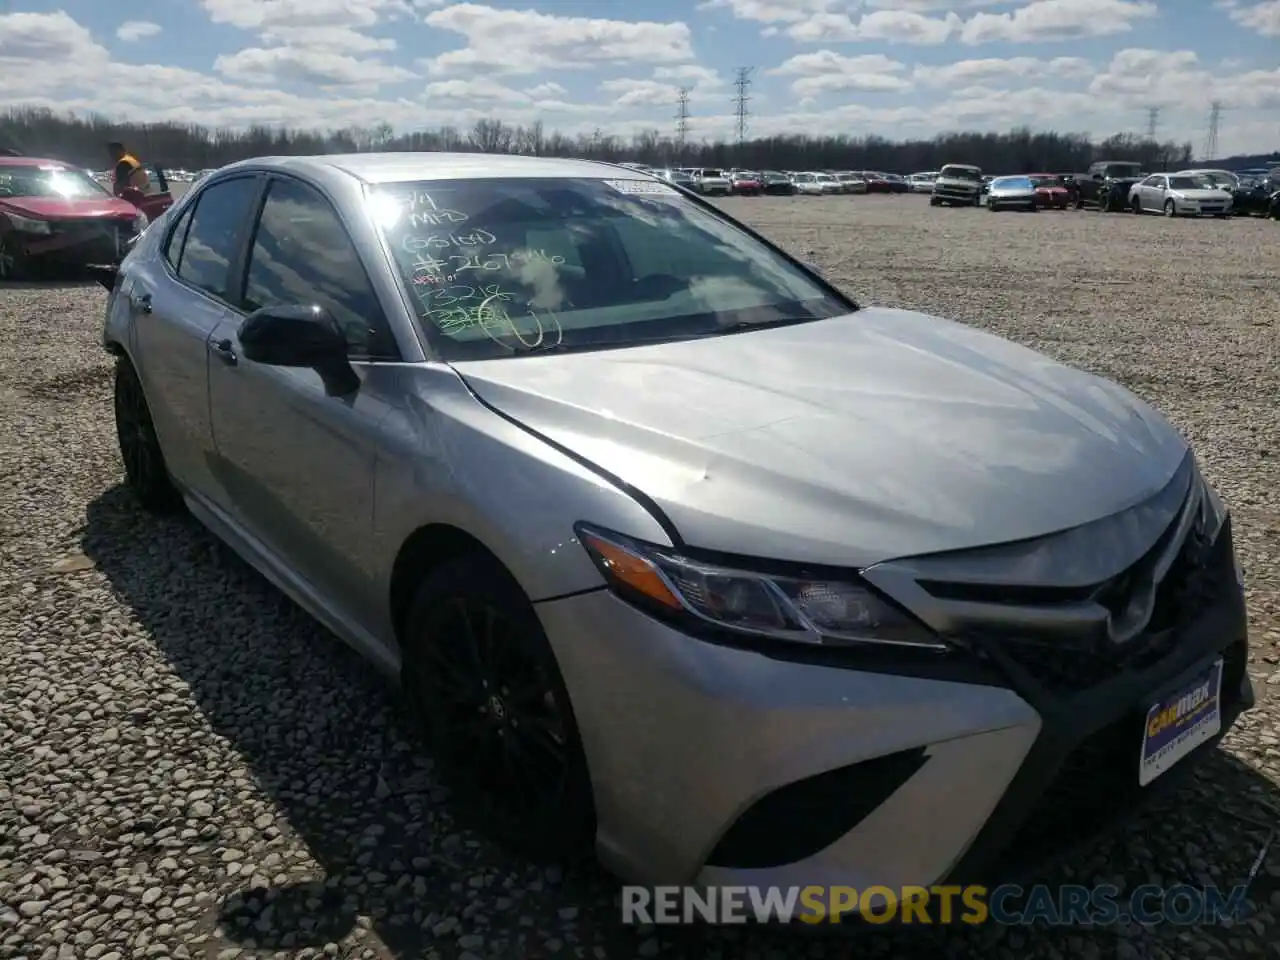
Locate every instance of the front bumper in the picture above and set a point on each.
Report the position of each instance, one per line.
(953, 195)
(723, 766)
(76, 244)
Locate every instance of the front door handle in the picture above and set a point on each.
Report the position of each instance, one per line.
(224, 351)
(140, 302)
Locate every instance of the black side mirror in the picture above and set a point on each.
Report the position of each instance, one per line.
(300, 336)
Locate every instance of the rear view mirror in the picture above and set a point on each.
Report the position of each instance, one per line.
(300, 336)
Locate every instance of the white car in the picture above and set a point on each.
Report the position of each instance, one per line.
(922, 182)
(829, 183)
(712, 182)
(807, 184)
(1177, 195)
(1222, 179)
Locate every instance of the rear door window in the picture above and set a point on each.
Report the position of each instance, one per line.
(218, 225)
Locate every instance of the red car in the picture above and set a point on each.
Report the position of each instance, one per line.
(877, 182)
(1051, 190)
(56, 214)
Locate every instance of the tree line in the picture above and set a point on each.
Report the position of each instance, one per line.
(82, 140)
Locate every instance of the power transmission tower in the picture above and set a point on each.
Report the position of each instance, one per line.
(682, 118)
(1211, 141)
(742, 84)
(1153, 121)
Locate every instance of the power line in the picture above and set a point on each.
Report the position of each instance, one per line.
(1215, 121)
(682, 116)
(742, 84)
(1153, 122)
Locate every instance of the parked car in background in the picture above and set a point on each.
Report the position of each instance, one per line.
(746, 183)
(777, 184)
(677, 177)
(808, 184)
(55, 214)
(828, 182)
(1107, 184)
(1257, 197)
(897, 183)
(712, 182)
(1013, 193)
(1051, 191)
(851, 182)
(877, 182)
(505, 506)
(958, 184)
(922, 182)
(1175, 195)
(1222, 179)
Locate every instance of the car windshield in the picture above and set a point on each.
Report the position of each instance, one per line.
(1188, 183)
(804, 178)
(1218, 179)
(496, 267)
(1047, 181)
(53, 182)
(1012, 183)
(961, 173)
(712, 173)
(1122, 170)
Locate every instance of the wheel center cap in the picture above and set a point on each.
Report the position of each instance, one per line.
(497, 709)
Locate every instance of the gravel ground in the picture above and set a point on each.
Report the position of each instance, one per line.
(189, 767)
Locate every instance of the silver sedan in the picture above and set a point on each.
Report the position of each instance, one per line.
(683, 555)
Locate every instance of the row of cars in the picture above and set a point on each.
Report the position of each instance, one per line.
(1115, 186)
(56, 214)
(718, 182)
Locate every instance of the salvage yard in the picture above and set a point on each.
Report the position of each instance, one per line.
(190, 767)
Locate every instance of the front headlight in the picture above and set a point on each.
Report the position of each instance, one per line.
(27, 225)
(811, 611)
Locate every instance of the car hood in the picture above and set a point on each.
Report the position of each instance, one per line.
(957, 182)
(1051, 189)
(1206, 194)
(881, 434)
(57, 208)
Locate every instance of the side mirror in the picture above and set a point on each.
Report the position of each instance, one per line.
(300, 336)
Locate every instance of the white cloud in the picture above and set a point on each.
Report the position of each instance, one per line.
(891, 26)
(259, 65)
(343, 40)
(134, 30)
(525, 41)
(1139, 77)
(47, 37)
(969, 72)
(770, 11)
(827, 72)
(272, 14)
(1262, 17)
(689, 74)
(1049, 20)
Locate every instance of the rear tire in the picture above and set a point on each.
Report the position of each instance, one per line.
(935, 202)
(14, 266)
(144, 466)
(485, 682)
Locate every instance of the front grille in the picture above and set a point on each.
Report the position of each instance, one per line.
(1097, 783)
(1186, 591)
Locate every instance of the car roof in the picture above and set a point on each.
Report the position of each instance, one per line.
(397, 167)
(6, 161)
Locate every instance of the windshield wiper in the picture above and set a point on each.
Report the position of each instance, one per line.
(562, 347)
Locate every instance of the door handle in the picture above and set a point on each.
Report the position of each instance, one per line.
(140, 302)
(224, 351)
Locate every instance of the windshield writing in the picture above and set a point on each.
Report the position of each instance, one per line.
(496, 267)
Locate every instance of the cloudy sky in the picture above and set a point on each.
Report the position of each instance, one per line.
(897, 68)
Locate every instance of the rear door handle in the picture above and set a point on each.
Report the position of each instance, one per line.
(140, 302)
(224, 351)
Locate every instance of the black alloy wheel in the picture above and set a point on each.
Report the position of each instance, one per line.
(496, 713)
(144, 467)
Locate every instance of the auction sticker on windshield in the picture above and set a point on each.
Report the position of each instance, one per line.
(647, 187)
(1181, 722)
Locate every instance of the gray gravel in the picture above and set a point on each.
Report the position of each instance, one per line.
(189, 767)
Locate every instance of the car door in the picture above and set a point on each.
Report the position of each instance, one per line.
(176, 301)
(297, 462)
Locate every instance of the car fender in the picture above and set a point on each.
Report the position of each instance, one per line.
(451, 460)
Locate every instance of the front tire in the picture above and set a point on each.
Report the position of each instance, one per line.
(485, 682)
(935, 202)
(144, 466)
(1135, 205)
(1170, 208)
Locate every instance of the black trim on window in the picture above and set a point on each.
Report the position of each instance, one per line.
(191, 208)
(269, 178)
